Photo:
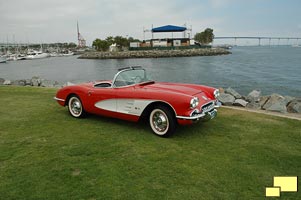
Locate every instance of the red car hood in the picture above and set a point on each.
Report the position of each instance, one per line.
(173, 87)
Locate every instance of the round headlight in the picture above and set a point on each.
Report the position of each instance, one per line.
(194, 102)
(216, 93)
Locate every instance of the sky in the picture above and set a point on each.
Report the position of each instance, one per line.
(41, 21)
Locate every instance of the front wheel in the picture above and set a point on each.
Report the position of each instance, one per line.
(75, 107)
(162, 121)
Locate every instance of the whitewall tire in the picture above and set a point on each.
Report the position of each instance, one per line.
(162, 121)
(75, 107)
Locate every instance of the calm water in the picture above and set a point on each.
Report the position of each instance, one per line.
(270, 69)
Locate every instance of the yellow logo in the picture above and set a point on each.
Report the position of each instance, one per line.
(282, 184)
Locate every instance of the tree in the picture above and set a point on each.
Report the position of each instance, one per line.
(204, 37)
(101, 45)
(131, 39)
(110, 39)
(72, 45)
(121, 41)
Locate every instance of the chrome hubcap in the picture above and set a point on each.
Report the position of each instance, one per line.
(160, 121)
(75, 106)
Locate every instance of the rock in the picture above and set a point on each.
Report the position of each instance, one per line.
(48, 83)
(240, 102)
(2, 81)
(231, 91)
(154, 53)
(58, 85)
(7, 82)
(254, 105)
(263, 100)
(288, 99)
(221, 90)
(276, 103)
(226, 99)
(254, 96)
(294, 106)
(35, 81)
(68, 84)
(28, 82)
(19, 82)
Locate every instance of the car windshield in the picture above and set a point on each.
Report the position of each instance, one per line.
(131, 77)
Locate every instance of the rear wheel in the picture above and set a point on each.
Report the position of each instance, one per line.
(162, 121)
(75, 107)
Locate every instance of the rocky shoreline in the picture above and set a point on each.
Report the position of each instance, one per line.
(34, 81)
(228, 97)
(255, 101)
(155, 53)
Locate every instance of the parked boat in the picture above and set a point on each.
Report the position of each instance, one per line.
(54, 54)
(20, 57)
(10, 57)
(2, 59)
(32, 54)
(68, 53)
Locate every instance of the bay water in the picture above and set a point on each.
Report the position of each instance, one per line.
(275, 69)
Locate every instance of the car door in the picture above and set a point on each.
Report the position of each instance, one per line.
(130, 102)
(102, 101)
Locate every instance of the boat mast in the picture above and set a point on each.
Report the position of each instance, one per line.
(81, 40)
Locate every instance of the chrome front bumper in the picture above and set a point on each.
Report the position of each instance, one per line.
(203, 116)
(58, 99)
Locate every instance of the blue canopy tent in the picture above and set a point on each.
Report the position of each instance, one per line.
(169, 42)
(168, 28)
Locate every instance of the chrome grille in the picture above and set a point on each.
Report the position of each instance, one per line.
(207, 107)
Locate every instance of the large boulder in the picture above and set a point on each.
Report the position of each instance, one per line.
(226, 99)
(276, 103)
(254, 96)
(68, 84)
(221, 90)
(7, 82)
(19, 82)
(263, 100)
(288, 99)
(48, 83)
(35, 81)
(254, 105)
(2, 81)
(28, 82)
(294, 106)
(240, 102)
(231, 91)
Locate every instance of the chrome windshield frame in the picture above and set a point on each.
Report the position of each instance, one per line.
(124, 70)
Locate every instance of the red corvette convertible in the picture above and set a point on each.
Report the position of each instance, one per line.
(131, 95)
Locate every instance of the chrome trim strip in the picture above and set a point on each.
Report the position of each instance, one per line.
(201, 115)
(146, 100)
(58, 99)
(94, 84)
(192, 117)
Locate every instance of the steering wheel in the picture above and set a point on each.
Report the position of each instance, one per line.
(137, 79)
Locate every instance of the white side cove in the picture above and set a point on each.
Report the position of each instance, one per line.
(126, 106)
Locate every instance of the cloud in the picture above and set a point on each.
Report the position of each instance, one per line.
(55, 20)
(52, 21)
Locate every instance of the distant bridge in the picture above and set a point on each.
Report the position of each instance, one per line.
(259, 38)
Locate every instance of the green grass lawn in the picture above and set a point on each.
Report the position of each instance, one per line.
(47, 154)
